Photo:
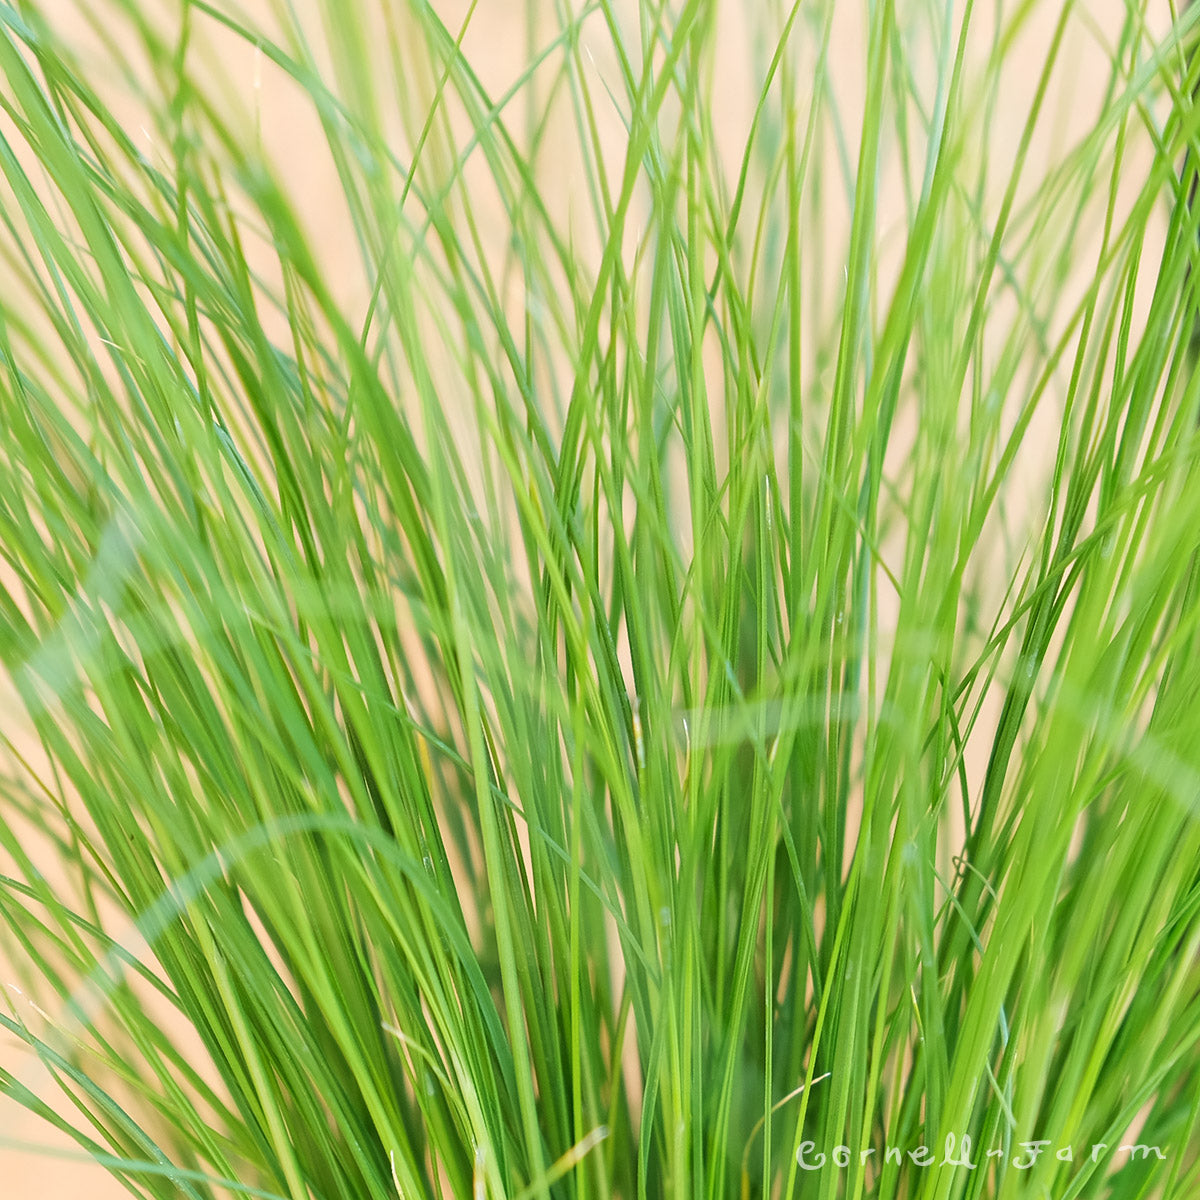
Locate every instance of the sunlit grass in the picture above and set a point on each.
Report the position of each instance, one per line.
(652, 645)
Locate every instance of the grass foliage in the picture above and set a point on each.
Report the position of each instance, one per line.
(701, 600)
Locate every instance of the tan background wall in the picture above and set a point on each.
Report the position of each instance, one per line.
(496, 47)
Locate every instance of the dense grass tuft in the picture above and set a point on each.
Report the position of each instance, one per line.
(659, 639)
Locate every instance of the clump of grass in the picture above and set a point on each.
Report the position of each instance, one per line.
(680, 658)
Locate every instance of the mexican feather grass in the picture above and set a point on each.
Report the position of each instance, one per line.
(656, 652)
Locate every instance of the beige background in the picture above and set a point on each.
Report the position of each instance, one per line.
(496, 47)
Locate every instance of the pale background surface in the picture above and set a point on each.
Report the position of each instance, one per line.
(496, 47)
